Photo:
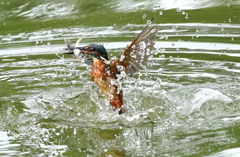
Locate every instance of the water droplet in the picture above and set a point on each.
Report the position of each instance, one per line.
(149, 22)
(157, 7)
(144, 16)
(162, 56)
(159, 80)
(186, 16)
(121, 58)
(36, 42)
(166, 36)
(142, 45)
(177, 78)
(229, 20)
(73, 81)
(133, 55)
(161, 50)
(183, 12)
(110, 97)
(160, 13)
(170, 58)
(161, 37)
(160, 70)
(76, 52)
(4, 23)
(148, 52)
(178, 10)
(175, 27)
(155, 52)
(232, 39)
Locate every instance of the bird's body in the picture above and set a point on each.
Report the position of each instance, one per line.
(108, 75)
(106, 81)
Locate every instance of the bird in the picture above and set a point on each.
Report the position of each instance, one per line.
(108, 74)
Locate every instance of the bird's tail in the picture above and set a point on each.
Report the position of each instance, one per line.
(122, 110)
(118, 105)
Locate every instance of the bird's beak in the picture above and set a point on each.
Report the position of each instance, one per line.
(70, 53)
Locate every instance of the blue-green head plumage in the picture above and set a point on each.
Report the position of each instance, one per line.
(101, 49)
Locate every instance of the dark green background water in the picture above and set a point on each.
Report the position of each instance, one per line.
(186, 103)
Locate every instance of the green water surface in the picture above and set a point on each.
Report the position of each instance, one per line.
(186, 103)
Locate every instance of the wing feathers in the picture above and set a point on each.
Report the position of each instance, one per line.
(138, 52)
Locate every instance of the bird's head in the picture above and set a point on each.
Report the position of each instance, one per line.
(95, 50)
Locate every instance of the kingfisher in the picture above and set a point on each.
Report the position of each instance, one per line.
(109, 74)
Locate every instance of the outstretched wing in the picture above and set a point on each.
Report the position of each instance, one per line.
(136, 54)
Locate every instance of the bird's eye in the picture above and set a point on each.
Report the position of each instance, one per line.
(89, 48)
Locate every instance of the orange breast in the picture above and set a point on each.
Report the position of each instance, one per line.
(108, 85)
